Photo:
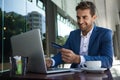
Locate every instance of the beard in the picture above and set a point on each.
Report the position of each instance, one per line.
(85, 27)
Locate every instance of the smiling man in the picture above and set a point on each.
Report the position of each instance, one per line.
(88, 43)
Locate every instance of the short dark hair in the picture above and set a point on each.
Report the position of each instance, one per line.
(87, 5)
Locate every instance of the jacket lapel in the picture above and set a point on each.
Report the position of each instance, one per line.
(78, 39)
(92, 38)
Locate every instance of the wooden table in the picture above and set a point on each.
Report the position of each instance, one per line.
(61, 76)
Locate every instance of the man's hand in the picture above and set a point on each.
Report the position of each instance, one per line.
(48, 62)
(69, 56)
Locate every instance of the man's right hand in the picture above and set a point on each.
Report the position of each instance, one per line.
(48, 62)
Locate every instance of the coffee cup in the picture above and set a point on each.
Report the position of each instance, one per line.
(92, 64)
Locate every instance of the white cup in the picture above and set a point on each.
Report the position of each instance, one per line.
(93, 64)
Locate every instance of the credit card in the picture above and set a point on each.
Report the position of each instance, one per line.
(55, 45)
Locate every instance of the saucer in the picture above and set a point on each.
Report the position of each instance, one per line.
(76, 70)
(95, 70)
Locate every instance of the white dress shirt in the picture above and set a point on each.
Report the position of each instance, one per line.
(84, 46)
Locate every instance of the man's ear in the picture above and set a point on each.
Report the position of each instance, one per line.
(94, 17)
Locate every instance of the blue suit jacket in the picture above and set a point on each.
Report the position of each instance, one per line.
(100, 46)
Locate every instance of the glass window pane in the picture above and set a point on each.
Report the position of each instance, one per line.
(18, 16)
(63, 24)
(1, 53)
(36, 18)
(14, 22)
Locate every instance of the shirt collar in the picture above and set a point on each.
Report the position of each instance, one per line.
(89, 33)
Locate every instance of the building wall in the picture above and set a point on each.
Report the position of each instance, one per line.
(112, 13)
(68, 6)
(107, 11)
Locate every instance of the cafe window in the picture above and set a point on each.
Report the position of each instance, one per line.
(18, 16)
(65, 26)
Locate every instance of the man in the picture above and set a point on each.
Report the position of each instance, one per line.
(88, 43)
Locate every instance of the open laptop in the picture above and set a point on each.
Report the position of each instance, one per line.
(29, 44)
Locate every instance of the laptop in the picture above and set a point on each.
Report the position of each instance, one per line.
(29, 44)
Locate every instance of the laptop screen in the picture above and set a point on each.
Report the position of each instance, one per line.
(29, 44)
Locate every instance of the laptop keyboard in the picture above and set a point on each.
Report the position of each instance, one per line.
(51, 69)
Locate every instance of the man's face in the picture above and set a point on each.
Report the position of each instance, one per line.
(85, 20)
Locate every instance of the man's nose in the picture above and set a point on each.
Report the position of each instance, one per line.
(80, 21)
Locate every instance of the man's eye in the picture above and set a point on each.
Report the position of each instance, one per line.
(78, 18)
(84, 17)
